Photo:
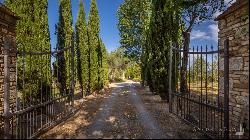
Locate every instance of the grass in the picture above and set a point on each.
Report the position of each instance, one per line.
(198, 87)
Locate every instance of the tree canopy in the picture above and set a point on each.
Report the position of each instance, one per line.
(149, 29)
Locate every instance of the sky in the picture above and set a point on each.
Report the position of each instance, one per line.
(201, 35)
(206, 33)
(108, 20)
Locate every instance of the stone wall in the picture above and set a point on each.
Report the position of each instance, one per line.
(7, 39)
(234, 25)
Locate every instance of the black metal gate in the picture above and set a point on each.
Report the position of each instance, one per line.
(205, 103)
(44, 97)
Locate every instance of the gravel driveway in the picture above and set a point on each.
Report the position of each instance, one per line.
(126, 112)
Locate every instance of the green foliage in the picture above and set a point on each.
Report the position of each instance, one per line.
(146, 30)
(133, 15)
(148, 33)
(104, 66)
(198, 69)
(164, 28)
(82, 48)
(64, 39)
(94, 44)
(133, 72)
(194, 12)
(117, 63)
(32, 34)
(34, 75)
(92, 63)
(202, 71)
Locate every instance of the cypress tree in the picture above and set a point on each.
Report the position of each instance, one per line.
(104, 66)
(43, 40)
(164, 28)
(25, 26)
(82, 48)
(93, 33)
(32, 34)
(64, 40)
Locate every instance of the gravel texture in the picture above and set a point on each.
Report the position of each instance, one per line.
(127, 111)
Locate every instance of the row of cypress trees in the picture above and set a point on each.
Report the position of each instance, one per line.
(91, 52)
(163, 32)
(33, 35)
(147, 28)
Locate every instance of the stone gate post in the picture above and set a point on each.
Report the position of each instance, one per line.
(7, 67)
(234, 25)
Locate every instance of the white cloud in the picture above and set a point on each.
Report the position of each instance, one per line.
(197, 34)
(210, 34)
(213, 29)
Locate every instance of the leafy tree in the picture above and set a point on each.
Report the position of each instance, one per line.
(194, 12)
(198, 69)
(133, 15)
(133, 71)
(117, 63)
(213, 70)
(170, 22)
(82, 48)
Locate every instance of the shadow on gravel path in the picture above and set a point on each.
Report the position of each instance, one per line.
(126, 112)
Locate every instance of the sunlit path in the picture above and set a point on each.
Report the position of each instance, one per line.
(151, 129)
(123, 113)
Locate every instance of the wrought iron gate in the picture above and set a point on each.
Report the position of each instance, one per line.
(45, 91)
(205, 104)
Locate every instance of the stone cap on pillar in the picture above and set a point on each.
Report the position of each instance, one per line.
(235, 6)
(7, 17)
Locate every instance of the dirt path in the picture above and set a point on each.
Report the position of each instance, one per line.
(126, 112)
(151, 128)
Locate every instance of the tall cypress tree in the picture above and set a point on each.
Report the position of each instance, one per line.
(104, 66)
(41, 34)
(164, 28)
(93, 32)
(82, 48)
(25, 26)
(64, 40)
(32, 35)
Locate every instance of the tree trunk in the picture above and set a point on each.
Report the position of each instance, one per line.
(183, 80)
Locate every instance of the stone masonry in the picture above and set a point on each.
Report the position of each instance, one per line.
(7, 39)
(234, 25)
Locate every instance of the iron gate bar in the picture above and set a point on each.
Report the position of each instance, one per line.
(41, 53)
(226, 88)
(211, 112)
(201, 107)
(209, 52)
(196, 127)
(206, 85)
(24, 116)
(54, 123)
(36, 106)
(170, 81)
(201, 103)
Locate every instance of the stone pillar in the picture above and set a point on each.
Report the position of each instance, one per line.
(234, 25)
(7, 40)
